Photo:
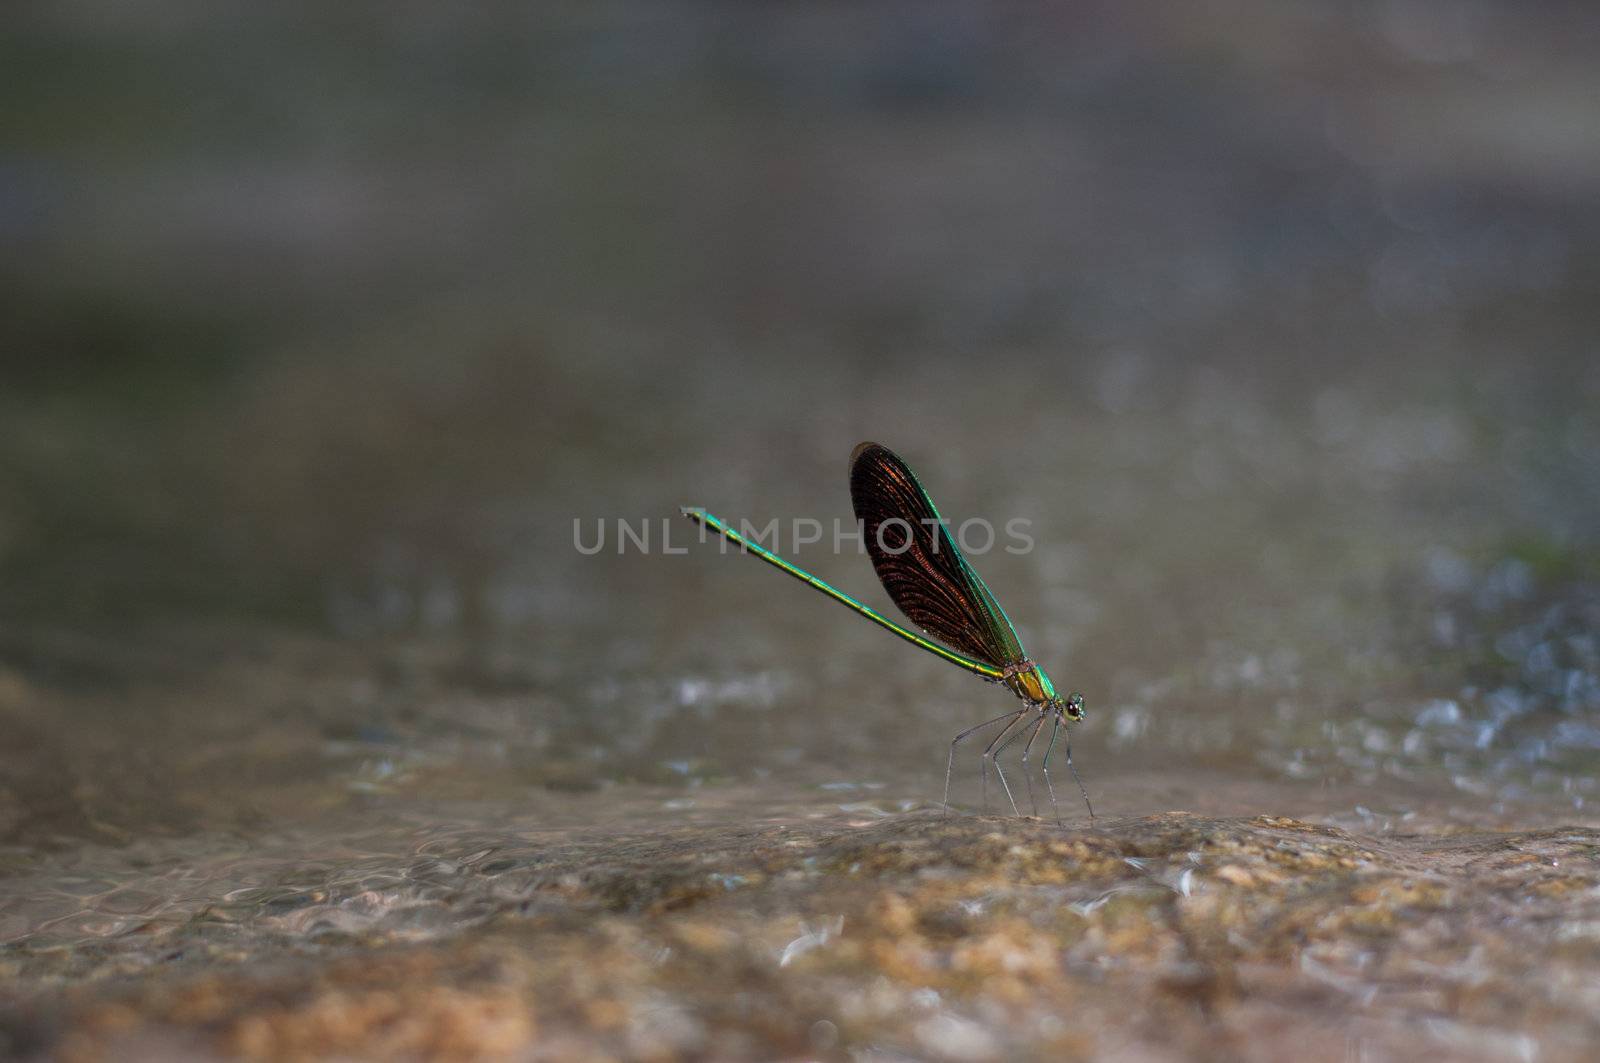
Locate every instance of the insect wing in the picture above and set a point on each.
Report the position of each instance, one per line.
(919, 563)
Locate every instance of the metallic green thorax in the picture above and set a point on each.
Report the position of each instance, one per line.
(1031, 684)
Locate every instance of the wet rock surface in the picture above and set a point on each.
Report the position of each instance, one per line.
(915, 936)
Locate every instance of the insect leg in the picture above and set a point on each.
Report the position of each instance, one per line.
(1055, 729)
(957, 740)
(994, 755)
(1043, 715)
(988, 754)
(1079, 781)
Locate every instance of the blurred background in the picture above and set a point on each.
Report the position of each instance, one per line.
(322, 327)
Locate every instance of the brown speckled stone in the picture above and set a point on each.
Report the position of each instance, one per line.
(933, 937)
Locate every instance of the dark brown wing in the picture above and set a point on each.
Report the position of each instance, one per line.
(919, 564)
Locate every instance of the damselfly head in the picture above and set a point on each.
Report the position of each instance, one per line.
(1073, 706)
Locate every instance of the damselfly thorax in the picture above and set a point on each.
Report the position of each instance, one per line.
(1029, 682)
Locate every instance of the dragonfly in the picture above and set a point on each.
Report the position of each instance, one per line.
(957, 617)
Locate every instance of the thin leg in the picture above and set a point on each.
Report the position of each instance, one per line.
(989, 754)
(1025, 751)
(951, 763)
(1055, 729)
(1000, 771)
(992, 754)
(1079, 781)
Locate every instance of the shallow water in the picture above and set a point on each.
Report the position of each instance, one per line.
(1287, 364)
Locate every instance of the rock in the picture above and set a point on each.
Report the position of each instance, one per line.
(932, 937)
